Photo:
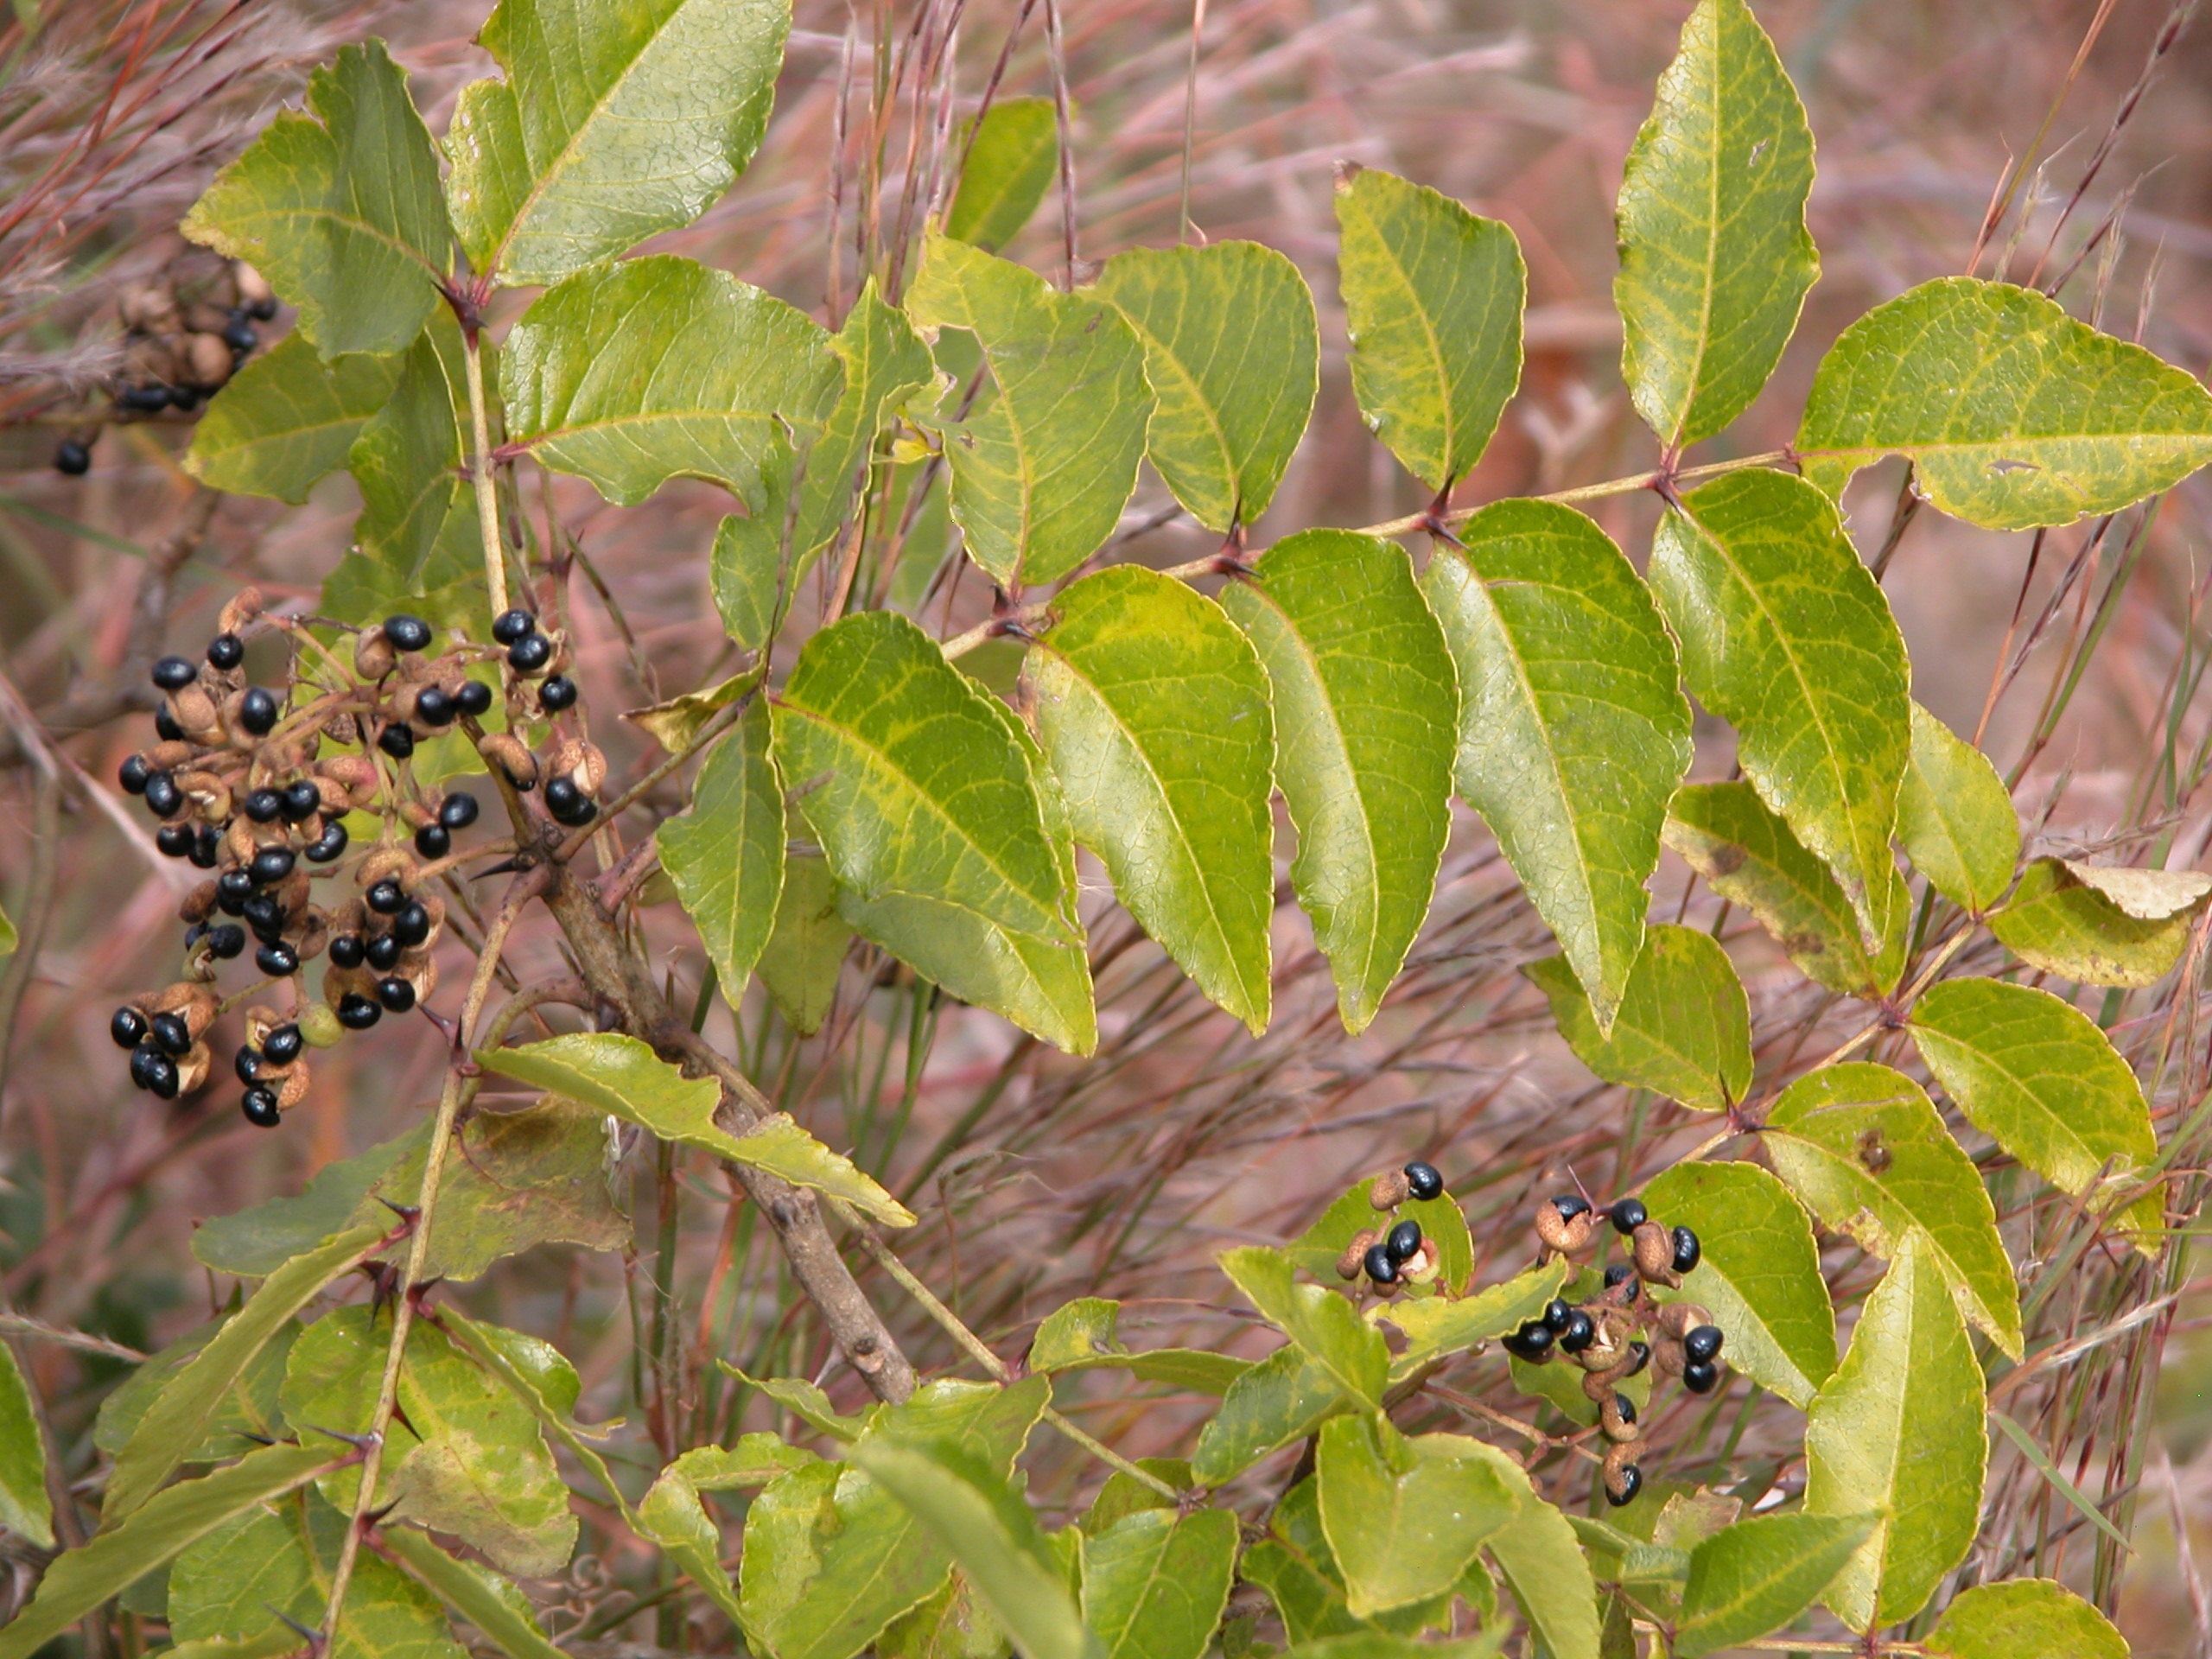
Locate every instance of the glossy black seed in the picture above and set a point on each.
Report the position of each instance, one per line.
(457, 811)
(1571, 1204)
(559, 692)
(207, 847)
(233, 888)
(239, 336)
(1624, 1487)
(386, 898)
(1639, 1355)
(407, 632)
(72, 458)
(302, 800)
(281, 1045)
(434, 708)
(530, 654)
(263, 308)
(1558, 1313)
(1618, 1274)
(170, 1031)
(127, 1027)
(1702, 1343)
(262, 805)
(153, 1071)
(411, 926)
(226, 940)
(271, 865)
(166, 727)
(1404, 1241)
(1581, 1331)
(163, 798)
(261, 1107)
(176, 840)
(1532, 1340)
(582, 813)
(1628, 1214)
(146, 399)
(1380, 1267)
(395, 741)
(225, 651)
(433, 841)
(384, 953)
(347, 951)
(258, 711)
(357, 1012)
(1700, 1377)
(511, 625)
(264, 914)
(330, 844)
(185, 397)
(395, 994)
(1624, 1409)
(1687, 1251)
(1421, 1180)
(473, 697)
(247, 1063)
(175, 673)
(561, 795)
(277, 959)
(133, 774)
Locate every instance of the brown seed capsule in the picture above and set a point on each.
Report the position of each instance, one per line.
(422, 976)
(1666, 1357)
(237, 839)
(245, 605)
(416, 815)
(1420, 1268)
(1678, 1318)
(198, 906)
(1350, 1264)
(192, 1070)
(373, 656)
(507, 751)
(208, 792)
(1619, 1467)
(169, 756)
(149, 308)
(253, 287)
(194, 712)
(203, 316)
(206, 360)
(338, 983)
(385, 864)
(311, 934)
(1618, 1424)
(1653, 1246)
(1391, 1189)
(1568, 1235)
(294, 1089)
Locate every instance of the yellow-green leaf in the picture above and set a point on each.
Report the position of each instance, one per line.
(1320, 1323)
(287, 419)
(491, 1603)
(1154, 1583)
(1752, 1578)
(800, 962)
(418, 530)
(1404, 1516)
(726, 854)
(25, 1509)
(1956, 819)
(1012, 157)
(1436, 1327)
(1684, 1025)
(2063, 925)
(2024, 1616)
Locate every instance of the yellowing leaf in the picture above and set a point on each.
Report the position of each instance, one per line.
(1404, 1516)
(726, 854)
(1012, 157)
(1684, 1025)
(1955, 817)
(25, 1509)
(1999, 1621)
(286, 419)
(2061, 923)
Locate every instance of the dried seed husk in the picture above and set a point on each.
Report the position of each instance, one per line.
(1391, 1188)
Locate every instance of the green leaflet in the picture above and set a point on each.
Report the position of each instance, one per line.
(2013, 414)
(154, 1534)
(831, 1556)
(246, 1416)
(612, 1072)
(984, 1525)
(233, 1584)
(2039, 1077)
(1684, 1025)
(1297, 1567)
(1544, 1565)
(2057, 922)
(175, 1421)
(1862, 1147)
(1280, 1400)
(1154, 1583)
(1755, 1577)
(2144, 895)
(800, 962)
(1956, 819)
(885, 364)
(1404, 1517)
(953, 1624)
(493, 1605)
(1437, 1327)
(1232, 352)
(657, 368)
(726, 854)
(474, 1463)
(1715, 258)
(1011, 159)
(1573, 728)
(1319, 1323)
(7, 935)
(1785, 635)
(25, 1509)
(1760, 1273)
(1364, 693)
(673, 1515)
(339, 208)
(1748, 856)
(1898, 1429)
(2000, 1621)
(1081, 1335)
(286, 419)
(1375, 1644)
(613, 122)
(1154, 711)
(747, 574)
(1433, 298)
(1041, 470)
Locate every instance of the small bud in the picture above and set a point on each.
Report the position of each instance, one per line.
(318, 1027)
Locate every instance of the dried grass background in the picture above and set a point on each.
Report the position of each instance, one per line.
(1040, 1178)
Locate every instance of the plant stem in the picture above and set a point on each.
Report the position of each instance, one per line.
(479, 472)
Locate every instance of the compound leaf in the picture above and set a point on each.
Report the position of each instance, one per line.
(2039, 1077)
(1041, 470)
(287, 419)
(1573, 728)
(1280, 1400)
(1153, 712)
(1756, 1576)
(613, 122)
(1363, 690)
(2058, 923)
(1320, 1324)
(1404, 1516)
(1999, 1621)
(1683, 1028)
(657, 368)
(726, 854)
(25, 1509)
(338, 207)
(1956, 819)
(1011, 155)
(1232, 353)
(1862, 1147)
(2013, 414)
(1786, 636)
(1433, 298)
(418, 530)
(1154, 1583)
(1715, 258)
(1898, 1430)
(1759, 1273)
